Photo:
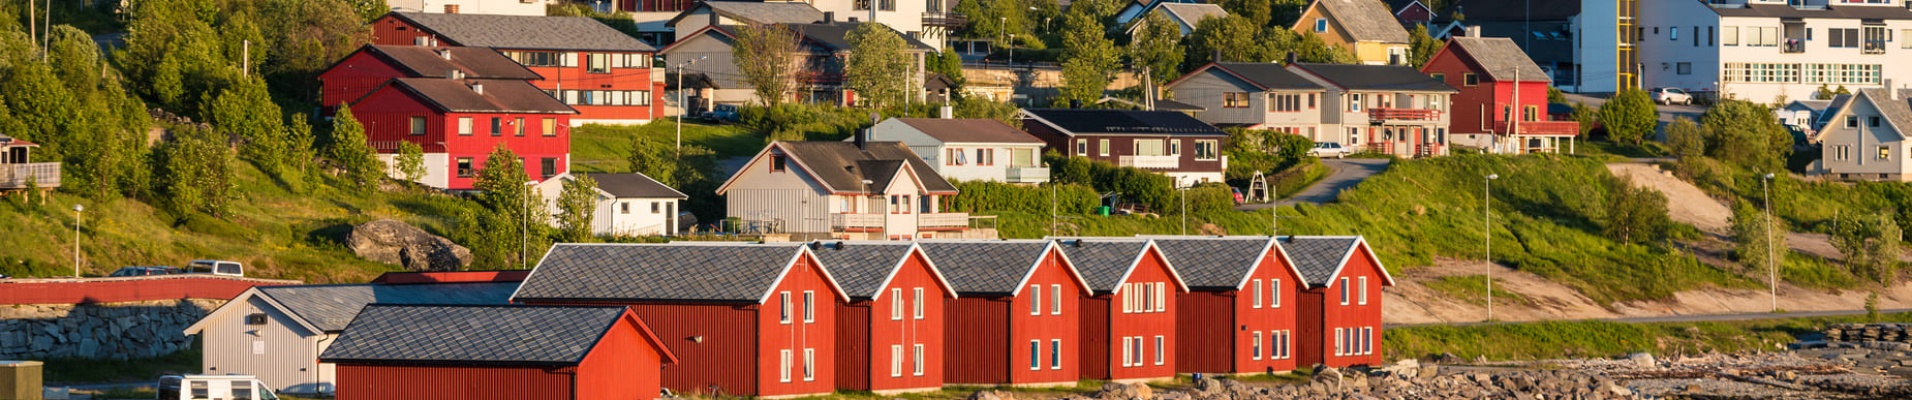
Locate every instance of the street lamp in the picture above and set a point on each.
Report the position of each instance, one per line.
(681, 100)
(76, 238)
(1772, 271)
(1012, 49)
(1486, 205)
(1002, 27)
(524, 225)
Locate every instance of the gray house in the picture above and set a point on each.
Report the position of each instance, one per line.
(846, 191)
(1866, 140)
(1254, 96)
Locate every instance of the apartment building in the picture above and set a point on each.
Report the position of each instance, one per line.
(1764, 50)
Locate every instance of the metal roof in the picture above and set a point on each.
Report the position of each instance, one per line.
(525, 32)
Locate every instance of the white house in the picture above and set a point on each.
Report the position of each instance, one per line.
(499, 7)
(1762, 50)
(929, 21)
(627, 204)
(1184, 15)
(277, 332)
(857, 190)
(1866, 140)
(969, 149)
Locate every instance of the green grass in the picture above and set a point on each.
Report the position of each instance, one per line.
(74, 370)
(604, 148)
(1813, 272)
(1590, 339)
(1468, 289)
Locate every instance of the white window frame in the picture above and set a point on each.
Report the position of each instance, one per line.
(1161, 355)
(916, 358)
(1140, 351)
(1364, 291)
(1339, 338)
(1055, 299)
(1127, 359)
(917, 306)
(1161, 297)
(785, 317)
(896, 304)
(1055, 354)
(1128, 301)
(784, 372)
(1257, 293)
(1035, 299)
(809, 365)
(1255, 350)
(1344, 290)
(896, 361)
(809, 306)
(1274, 293)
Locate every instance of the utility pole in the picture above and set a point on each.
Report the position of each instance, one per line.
(245, 58)
(1772, 271)
(682, 100)
(1486, 206)
(76, 238)
(1053, 200)
(1184, 211)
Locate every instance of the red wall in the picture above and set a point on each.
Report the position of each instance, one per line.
(724, 358)
(1206, 327)
(391, 30)
(353, 77)
(979, 328)
(1201, 324)
(1323, 312)
(377, 382)
(116, 290)
(624, 365)
(1468, 116)
(818, 335)
(884, 332)
(386, 115)
(1023, 327)
(853, 346)
(1147, 325)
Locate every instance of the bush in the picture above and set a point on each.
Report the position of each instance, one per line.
(1297, 177)
(997, 197)
(1132, 185)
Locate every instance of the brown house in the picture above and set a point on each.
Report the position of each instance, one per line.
(1172, 143)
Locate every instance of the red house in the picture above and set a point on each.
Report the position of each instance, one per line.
(1339, 323)
(1016, 320)
(459, 121)
(1502, 104)
(373, 65)
(747, 319)
(1128, 322)
(497, 352)
(603, 73)
(1238, 316)
(890, 334)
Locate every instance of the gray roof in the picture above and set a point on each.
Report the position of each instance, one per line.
(1893, 12)
(497, 96)
(1375, 77)
(1103, 262)
(728, 272)
(331, 307)
(1268, 76)
(969, 130)
(759, 12)
(524, 32)
(826, 162)
(474, 62)
(1318, 258)
(1511, 10)
(504, 334)
(1500, 58)
(1089, 121)
(1365, 20)
(1213, 263)
(987, 267)
(1898, 111)
(635, 185)
(861, 268)
(1810, 105)
(1192, 13)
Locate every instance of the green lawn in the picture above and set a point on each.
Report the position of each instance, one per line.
(1468, 289)
(604, 148)
(1592, 339)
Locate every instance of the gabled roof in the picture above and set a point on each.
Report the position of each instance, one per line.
(1122, 122)
(1810, 105)
(1500, 58)
(437, 62)
(1897, 112)
(1374, 77)
(1217, 263)
(864, 268)
(1364, 20)
(842, 167)
(969, 130)
(524, 32)
(463, 95)
(1321, 258)
(1191, 14)
(995, 267)
(671, 272)
(836, 36)
(758, 12)
(1892, 12)
(501, 334)
(328, 308)
(1512, 10)
(1265, 76)
(9, 141)
(635, 185)
(1107, 262)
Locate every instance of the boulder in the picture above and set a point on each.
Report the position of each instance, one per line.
(1642, 359)
(987, 395)
(393, 242)
(1125, 391)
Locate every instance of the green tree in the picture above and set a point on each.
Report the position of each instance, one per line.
(1744, 133)
(1422, 46)
(1309, 47)
(1685, 138)
(350, 151)
(247, 111)
(1871, 242)
(1759, 238)
(1088, 57)
(766, 55)
(1258, 12)
(1634, 214)
(576, 206)
(1158, 47)
(411, 161)
(654, 159)
(1232, 38)
(949, 64)
(878, 67)
(1629, 116)
(1554, 95)
(512, 204)
(193, 173)
(1822, 93)
(1586, 116)
(301, 145)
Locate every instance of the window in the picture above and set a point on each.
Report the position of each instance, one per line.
(517, 127)
(1729, 36)
(1852, 121)
(1470, 79)
(1148, 300)
(1339, 337)
(256, 319)
(1321, 24)
(1255, 349)
(1055, 353)
(1284, 102)
(1311, 101)
(1159, 353)
(1673, 33)
(1128, 359)
(916, 359)
(1842, 38)
(550, 127)
(418, 126)
(1344, 290)
(896, 360)
(784, 312)
(597, 63)
(896, 304)
(1128, 299)
(783, 369)
(624, 208)
(1055, 299)
(918, 306)
(1105, 147)
(1278, 345)
(809, 306)
(1082, 147)
(1206, 150)
(1161, 296)
(464, 126)
(1438, 76)
(1035, 355)
(1175, 147)
(1885, 152)
(1844, 152)
(1684, 68)
(777, 163)
(860, 5)
(809, 365)
(985, 156)
(1905, 44)
(1138, 351)
(1234, 100)
(497, 126)
(886, 5)
(1367, 340)
(1257, 292)
(464, 167)
(1364, 291)
(548, 167)
(1872, 121)
(1035, 299)
(1354, 102)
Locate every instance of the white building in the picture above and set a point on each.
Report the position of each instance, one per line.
(1866, 140)
(498, 7)
(627, 204)
(857, 190)
(969, 149)
(1763, 50)
(929, 21)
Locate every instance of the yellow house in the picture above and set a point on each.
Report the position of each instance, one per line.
(1364, 26)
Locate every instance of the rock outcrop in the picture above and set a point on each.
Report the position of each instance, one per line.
(393, 242)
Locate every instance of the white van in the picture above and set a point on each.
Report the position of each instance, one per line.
(216, 267)
(213, 387)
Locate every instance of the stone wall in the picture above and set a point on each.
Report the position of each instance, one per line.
(140, 329)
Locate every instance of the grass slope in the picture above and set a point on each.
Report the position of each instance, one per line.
(605, 148)
(1563, 339)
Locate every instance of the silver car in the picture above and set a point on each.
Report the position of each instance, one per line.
(1670, 96)
(1325, 149)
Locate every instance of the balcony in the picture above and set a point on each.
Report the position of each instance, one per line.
(1793, 46)
(942, 221)
(944, 19)
(871, 222)
(1873, 47)
(1540, 128)
(44, 175)
(1381, 115)
(1027, 175)
(1150, 162)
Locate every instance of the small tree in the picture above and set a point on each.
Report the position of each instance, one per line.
(1629, 116)
(1422, 47)
(1586, 116)
(411, 161)
(576, 206)
(512, 203)
(767, 57)
(1822, 93)
(1685, 138)
(1872, 307)
(1871, 243)
(654, 160)
(246, 110)
(1158, 47)
(1088, 57)
(350, 151)
(1554, 95)
(1634, 214)
(1760, 238)
(878, 68)
(1745, 133)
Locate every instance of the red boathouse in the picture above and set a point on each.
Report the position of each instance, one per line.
(1339, 323)
(1238, 316)
(1128, 323)
(1015, 322)
(890, 334)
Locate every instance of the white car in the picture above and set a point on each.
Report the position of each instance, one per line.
(1671, 96)
(1325, 149)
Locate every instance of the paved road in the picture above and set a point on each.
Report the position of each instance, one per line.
(1694, 317)
(1667, 112)
(1345, 173)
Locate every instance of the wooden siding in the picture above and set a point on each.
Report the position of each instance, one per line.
(979, 327)
(1047, 327)
(1270, 317)
(387, 115)
(354, 77)
(714, 344)
(1095, 339)
(1206, 326)
(1152, 269)
(1124, 145)
(1477, 109)
(391, 30)
(282, 354)
(791, 197)
(377, 382)
(1322, 312)
(623, 365)
(818, 335)
(883, 331)
(1206, 89)
(854, 350)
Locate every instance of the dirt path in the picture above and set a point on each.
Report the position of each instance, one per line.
(1689, 205)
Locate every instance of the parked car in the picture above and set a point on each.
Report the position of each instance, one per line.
(1237, 192)
(722, 113)
(146, 271)
(1325, 149)
(216, 267)
(213, 387)
(1671, 96)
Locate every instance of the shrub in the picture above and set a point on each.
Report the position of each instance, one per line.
(998, 197)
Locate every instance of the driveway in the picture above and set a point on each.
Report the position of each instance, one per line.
(1344, 173)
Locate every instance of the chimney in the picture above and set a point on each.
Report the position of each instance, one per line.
(1891, 92)
(454, 74)
(829, 17)
(948, 112)
(1216, 57)
(1473, 31)
(478, 88)
(714, 17)
(1293, 58)
(451, 8)
(863, 135)
(446, 53)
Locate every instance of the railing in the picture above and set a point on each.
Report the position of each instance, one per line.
(1028, 174)
(1539, 128)
(1403, 114)
(14, 176)
(942, 221)
(391, 146)
(1154, 162)
(857, 222)
(948, 20)
(870, 222)
(1874, 47)
(818, 78)
(1429, 150)
(1793, 46)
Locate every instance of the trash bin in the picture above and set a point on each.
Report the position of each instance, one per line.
(1102, 211)
(20, 379)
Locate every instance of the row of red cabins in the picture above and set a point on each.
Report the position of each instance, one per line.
(796, 319)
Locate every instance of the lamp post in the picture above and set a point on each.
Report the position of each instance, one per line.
(1012, 49)
(76, 238)
(682, 98)
(524, 225)
(1772, 271)
(1486, 202)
